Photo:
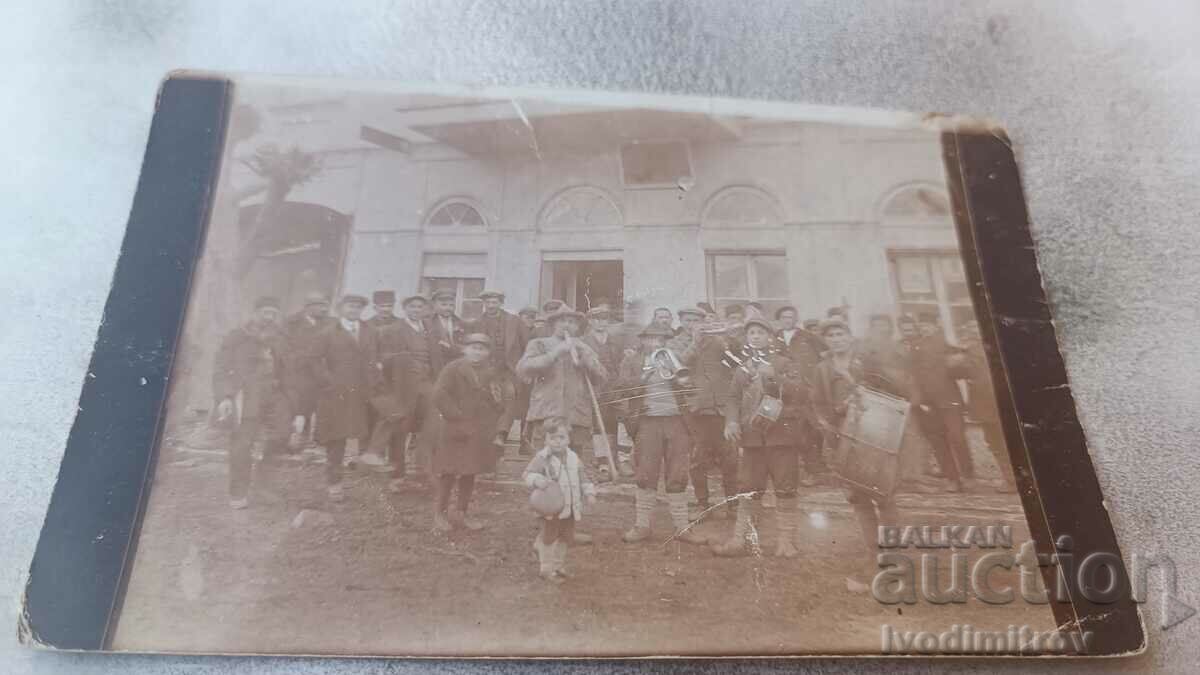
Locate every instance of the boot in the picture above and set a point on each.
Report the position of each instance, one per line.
(643, 507)
(679, 518)
(735, 546)
(560, 559)
(786, 516)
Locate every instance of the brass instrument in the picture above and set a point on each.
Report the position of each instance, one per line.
(668, 366)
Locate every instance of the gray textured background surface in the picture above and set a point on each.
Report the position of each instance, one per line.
(1101, 99)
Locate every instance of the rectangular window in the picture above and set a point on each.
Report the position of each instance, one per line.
(933, 283)
(738, 278)
(462, 273)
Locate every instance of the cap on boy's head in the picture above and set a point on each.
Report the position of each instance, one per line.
(478, 339)
(442, 294)
(786, 308)
(383, 297)
(415, 299)
(833, 322)
(352, 299)
(528, 311)
(484, 295)
(684, 311)
(266, 301)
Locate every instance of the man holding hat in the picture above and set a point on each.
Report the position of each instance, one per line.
(345, 361)
(469, 395)
(249, 400)
(384, 303)
(764, 414)
(560, 367)
(662, 446)
(411, 359)
(509, 337)
(299, 381)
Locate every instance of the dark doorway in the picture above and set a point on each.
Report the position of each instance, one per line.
(584, 283)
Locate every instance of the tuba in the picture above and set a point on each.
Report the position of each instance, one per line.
(668, 366)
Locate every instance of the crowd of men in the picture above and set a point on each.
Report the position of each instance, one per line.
(760, 399)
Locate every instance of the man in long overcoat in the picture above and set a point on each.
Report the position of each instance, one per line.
(299, 380)
(345, 359)
(249, 399)
(411, 358)
(509, 337)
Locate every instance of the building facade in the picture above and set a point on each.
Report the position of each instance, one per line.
(639, 208)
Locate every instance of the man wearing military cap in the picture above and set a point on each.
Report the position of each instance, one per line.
(345, 359)
(249, 399)
(384, 303)
(299, 380)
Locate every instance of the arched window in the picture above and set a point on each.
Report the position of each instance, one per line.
(582, 207)
(741, 206)
(455, 213)
(916, 202)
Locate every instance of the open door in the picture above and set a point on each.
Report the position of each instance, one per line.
(584, 284)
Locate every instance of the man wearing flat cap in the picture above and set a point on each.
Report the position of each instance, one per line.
(299, 380)
(345, 359)
(448, 329)
(509, 337)
(610, 348)
(249, 399)
(411, 359)
(468, 396)
(549, 307)
(384, 303)
(703, 353)
(560, 366)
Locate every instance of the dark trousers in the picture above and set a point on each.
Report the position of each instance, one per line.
(335, 452)
(663, 446)
(811, 442)
(709, 448)
(272, 425)
(446, 484)
(943, 428)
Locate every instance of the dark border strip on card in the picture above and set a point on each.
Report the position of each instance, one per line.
(90, 533)
(1055, 476)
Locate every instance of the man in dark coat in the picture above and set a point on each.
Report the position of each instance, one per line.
(299, 380)
(345, 359)
(709, 381)
(981, 402)
(448, 330)
(804, 349)
(410, 357)
(249, 399)
(509, 338)
(468, 396)
(937, 400)
(765, 414)
(384, 303)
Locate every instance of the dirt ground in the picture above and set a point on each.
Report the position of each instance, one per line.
(367, 576)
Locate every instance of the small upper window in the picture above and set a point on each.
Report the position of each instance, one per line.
(456, 213)
(917, 202)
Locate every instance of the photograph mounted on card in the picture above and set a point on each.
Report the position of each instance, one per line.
(654, 375)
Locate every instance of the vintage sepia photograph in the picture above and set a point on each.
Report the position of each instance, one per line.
(579, 374)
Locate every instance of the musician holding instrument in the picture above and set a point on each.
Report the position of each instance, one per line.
(764, 414)
(701, 348)
(559, 367)
(649, 380)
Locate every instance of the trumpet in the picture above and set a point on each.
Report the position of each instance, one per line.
(668, 366)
